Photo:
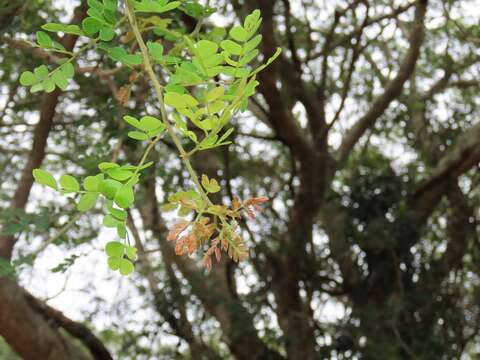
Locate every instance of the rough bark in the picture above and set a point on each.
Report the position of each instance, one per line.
(27, 332)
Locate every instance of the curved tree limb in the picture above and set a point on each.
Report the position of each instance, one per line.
(392, 89)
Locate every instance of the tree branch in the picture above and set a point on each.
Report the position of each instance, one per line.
(460, 158)
(77, 330)
(392, 89)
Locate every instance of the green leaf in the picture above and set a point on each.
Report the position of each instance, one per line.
(208, 124)
(208, 142)
(67, 29)
(36, 88)
(91, 26)
(213, 61)
(195, 10)
(239, 73)
(41, 72)
(95, 4)
(238, 33)
(229, 61)
(171, 6)
(252, 44)
(48, 85)
(210, 185)
(175, 88)
(126, 267)
(214, 187)
(205, 182)
(131, 59)
(138, 135)
(159, 6)
(28, 78)
(231, 47)
(248, 57)
(214, 94)
(114, 249)
(117, 213)
(149, 123)
(109, 188)
(184, 211)
(113, 263)
(90, 183)
(45, 178)
(106, 34)
(119, 174)
(131, 252)
(251, 86)
(107, 165)
(206, 48)
(225, 135)
(124, 197)
(69, 183)
(156, 132)
(110, 221)
(190, 100)
(60, 79)
(68, 70)
(44, 39)
(168, 207)
(216, 107)
(110, 5)
(122, 231)
(87, 201)
(97, 14)
(133, 180)
(133, 167)
(58, 46)
(116, 53)
(252, 22)
(110, 16)
(155, 49)
(132, 121)
(175, 100)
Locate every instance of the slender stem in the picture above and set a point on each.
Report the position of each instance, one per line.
(55, 237)
(147, 151)
(75, 55)
(159, 91)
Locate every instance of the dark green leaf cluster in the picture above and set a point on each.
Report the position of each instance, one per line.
(102, 18)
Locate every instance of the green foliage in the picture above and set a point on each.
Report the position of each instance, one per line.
(45, 178)
(43, 80)
(65, 264)
(102, 18)
(210, 185)
(120, 257)
(118, 53)
(149, 127)
(66, 29)
(155, 6)
(69, 183)
(209, 80)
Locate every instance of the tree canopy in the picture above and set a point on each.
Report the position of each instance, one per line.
(358, 147)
